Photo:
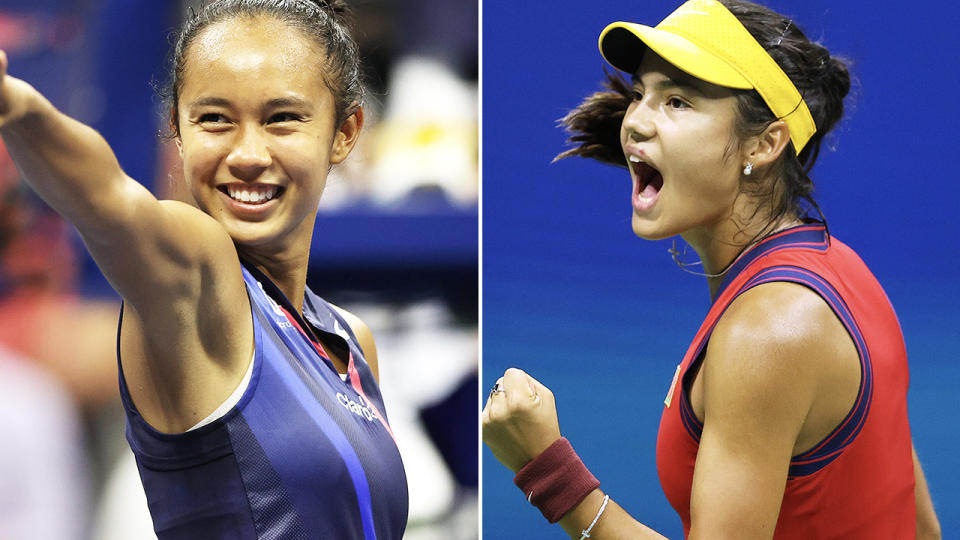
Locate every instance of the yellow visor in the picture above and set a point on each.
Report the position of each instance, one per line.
(705, 40)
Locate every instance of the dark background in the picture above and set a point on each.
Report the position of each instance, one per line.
(602, 317)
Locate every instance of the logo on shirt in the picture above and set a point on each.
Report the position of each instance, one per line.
(279, 316)
(357, 408)
(673, 386)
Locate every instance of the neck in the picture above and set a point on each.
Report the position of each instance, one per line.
(720, 246)
(284, 261)
(289, 274)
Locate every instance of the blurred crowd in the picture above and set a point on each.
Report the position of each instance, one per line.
(67, 472)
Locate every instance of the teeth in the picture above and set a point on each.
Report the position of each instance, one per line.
(634, 159)
(251, 196)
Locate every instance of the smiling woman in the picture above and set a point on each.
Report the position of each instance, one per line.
(234, 376)
(244, 104)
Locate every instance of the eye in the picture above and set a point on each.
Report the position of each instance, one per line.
(215, 118)
(285, 117)
(637, 95)
(677, 103)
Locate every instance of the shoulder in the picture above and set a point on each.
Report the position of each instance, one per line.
(774, 315)
(197, 226)
(763, 386)
(767, 347)
(364, 338)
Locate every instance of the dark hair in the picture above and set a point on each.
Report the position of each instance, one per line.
(822, 80)
(326, 22)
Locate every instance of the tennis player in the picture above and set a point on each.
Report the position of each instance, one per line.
(787, 416)
(252, 404)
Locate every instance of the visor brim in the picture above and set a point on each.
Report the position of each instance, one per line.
(622, 44)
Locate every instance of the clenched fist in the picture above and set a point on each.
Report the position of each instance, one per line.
(519, 419)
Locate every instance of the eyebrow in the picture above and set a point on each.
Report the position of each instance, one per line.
(293, 102)
(275, 103)
(210, 102)
(668, 84)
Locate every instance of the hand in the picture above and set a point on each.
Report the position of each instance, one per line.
(4, 90)
(12, 94)
(519, 420)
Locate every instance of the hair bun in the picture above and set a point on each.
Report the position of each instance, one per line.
(829, 84)
(837, 77)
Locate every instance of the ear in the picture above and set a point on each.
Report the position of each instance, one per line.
(766, 148)
(346, 136)
(175, 130)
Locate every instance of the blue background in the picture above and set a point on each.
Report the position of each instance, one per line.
(602, 317)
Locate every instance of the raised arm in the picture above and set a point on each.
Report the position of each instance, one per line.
(68, 164)
(130, 233)
(168, 260)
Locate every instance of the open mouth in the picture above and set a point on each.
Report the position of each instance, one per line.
(251, 194)
(649, 180)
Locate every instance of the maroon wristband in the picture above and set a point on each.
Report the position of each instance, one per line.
(556, 480)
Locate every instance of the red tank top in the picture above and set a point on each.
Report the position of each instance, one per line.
(858, 482)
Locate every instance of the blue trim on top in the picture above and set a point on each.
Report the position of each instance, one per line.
(687, 416)
(812, 236)
(833, 444)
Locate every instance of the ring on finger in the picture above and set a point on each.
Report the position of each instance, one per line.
(497, 387)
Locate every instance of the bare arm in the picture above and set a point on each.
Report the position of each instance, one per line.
(759, 387)
(74, 170)
(168, 260)
(68, 164)
(928, 526)
(520, 423)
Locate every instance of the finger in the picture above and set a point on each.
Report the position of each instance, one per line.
(496, 401)
(521, 383)
(516, 379)
(497, 387)
(3, 64)
(538, 387)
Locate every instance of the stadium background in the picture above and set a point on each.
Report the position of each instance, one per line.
(602, 318)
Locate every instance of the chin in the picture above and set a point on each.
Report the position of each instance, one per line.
(649, 229)
(251, 234)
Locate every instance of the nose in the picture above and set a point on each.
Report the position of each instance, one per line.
(638, 123)
(250, 155)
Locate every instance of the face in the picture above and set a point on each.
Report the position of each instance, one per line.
(676, 138)
(257, 130)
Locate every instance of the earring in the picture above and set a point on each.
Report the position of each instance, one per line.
(748, 169)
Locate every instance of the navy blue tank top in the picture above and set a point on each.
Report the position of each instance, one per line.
(303, 454)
